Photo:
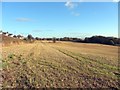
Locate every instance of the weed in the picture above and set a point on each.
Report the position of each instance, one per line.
(11, 56)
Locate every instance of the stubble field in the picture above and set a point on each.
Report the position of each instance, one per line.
(60, 65)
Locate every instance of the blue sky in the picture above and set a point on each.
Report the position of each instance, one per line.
(60, 19)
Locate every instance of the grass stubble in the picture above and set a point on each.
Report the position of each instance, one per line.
(60, 65)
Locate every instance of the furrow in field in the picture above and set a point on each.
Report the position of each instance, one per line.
(47, 65)
(99, 53)
(95, 65)
(90, 66)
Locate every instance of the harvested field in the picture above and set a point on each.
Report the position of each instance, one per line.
(60, 65)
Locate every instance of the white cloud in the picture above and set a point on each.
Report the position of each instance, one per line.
(116, 0)
(75, 13)
(70, 4)
(37, 30)
(23, 19)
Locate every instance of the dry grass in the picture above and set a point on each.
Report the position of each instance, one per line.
(60, 65)
(7, 41)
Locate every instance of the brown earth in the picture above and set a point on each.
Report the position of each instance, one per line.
(60, 65)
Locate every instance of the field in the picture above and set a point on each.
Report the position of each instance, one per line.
(60, 65)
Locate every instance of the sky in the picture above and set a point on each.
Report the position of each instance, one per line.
(60, 19)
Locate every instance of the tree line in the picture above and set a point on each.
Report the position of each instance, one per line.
(93, 39)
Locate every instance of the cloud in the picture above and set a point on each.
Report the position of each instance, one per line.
(37, 31)
(23, 19)
(70, 4)
(116, 0)
(75, 13)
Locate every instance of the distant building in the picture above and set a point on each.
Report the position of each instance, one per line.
(10, 35)
(5, 33)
